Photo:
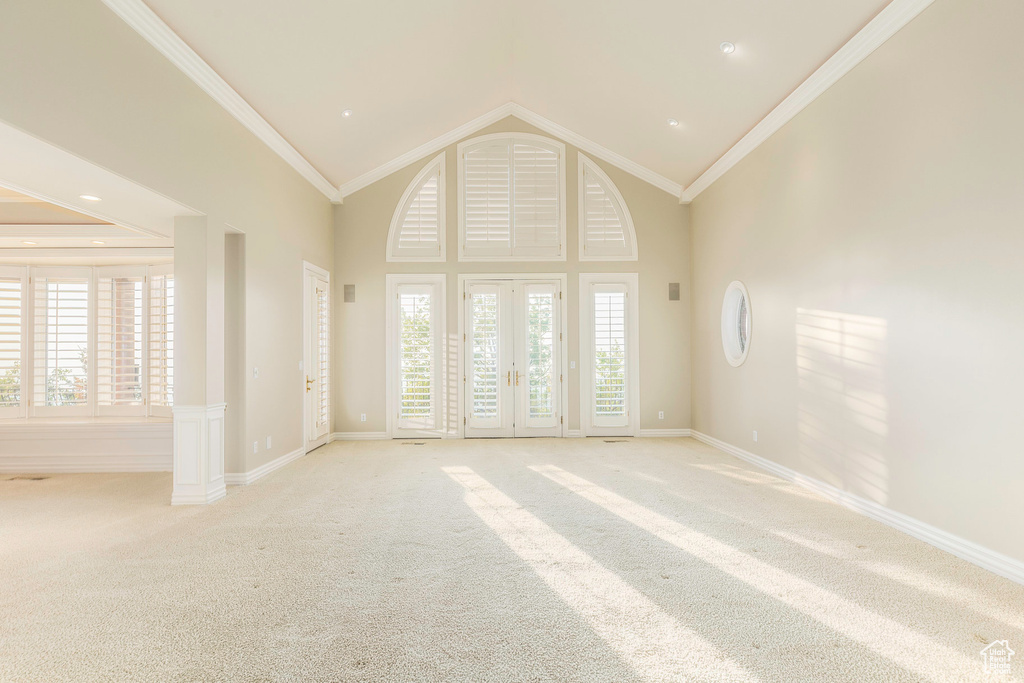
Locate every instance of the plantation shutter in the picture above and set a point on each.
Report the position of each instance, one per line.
(487, 192)
(161, 341)
(512, 196)
(323, 354)
(12, 346)
(609, 369)
(606, 228)
(119, 342)
(417, 357)
(536, 212)
(418, 225)
(61, 341)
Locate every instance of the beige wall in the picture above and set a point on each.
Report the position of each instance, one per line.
(880, 235)
(74, 74)
(361, 230)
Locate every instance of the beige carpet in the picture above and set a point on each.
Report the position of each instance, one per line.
(526, 560)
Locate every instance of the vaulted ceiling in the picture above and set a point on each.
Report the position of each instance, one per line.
(613, 72)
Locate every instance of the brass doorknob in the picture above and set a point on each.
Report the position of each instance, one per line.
(308, 383)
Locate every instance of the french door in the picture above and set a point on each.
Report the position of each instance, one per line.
(316, 356)
(513, 357)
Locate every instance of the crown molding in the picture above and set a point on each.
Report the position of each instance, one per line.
(141, 18)
(426, 149)
(886, 24)
(527, 116)
(594, 149)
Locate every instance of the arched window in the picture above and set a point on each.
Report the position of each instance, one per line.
(418, 226)
(606, 228)
(511, 198)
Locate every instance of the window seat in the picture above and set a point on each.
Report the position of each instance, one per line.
(86, 444)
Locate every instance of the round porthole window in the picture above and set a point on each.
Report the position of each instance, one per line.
(736, 323)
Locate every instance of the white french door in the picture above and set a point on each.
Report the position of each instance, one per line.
(317, 356)
(513, 357)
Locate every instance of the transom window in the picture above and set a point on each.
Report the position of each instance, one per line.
(511, 198)
(86, 341)
(418, 226)
(606, 227)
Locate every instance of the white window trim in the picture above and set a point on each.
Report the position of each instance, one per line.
(393, 377)
(29, 408)
(563, 282)
(436, 165)
(586, 164)
(631, 281)
(511, 137)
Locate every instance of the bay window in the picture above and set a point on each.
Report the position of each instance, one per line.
(98, 341)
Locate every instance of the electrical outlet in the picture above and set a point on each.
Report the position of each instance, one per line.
(755, 436)
(300, 366)
(255, 373)
(661, 414)
(572, 365)
(255, 446)
(268, 443)
(362, 417)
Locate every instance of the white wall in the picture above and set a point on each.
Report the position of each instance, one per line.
(880, 236)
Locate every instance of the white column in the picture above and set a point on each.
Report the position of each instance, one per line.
(199, 362)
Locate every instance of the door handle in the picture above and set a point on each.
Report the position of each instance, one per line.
(308, 383)
(517, 378)
(508, 378)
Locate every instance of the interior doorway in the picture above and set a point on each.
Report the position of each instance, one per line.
(513, 355)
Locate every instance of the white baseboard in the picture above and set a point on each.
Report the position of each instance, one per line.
(359, 436)
(995, 562)
(574, 434)
(246, 478)
(651, 433)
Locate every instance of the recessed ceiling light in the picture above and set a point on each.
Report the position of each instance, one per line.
(29, 243)
(98, 242)
(90, 197)
(673, 123)
(347, 114)
(727, 47)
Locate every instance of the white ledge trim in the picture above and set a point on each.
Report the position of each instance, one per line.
(886, 23)
(151, 27)
(664, 433)
(522, 113)
(995, 562)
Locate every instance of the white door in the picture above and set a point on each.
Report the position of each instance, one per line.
(317, 357)
(513, 358)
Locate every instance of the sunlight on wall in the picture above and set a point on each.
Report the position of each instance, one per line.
(842, 406)
(650, 641)
(905, 647)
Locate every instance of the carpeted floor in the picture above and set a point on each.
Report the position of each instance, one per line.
(512, 560)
